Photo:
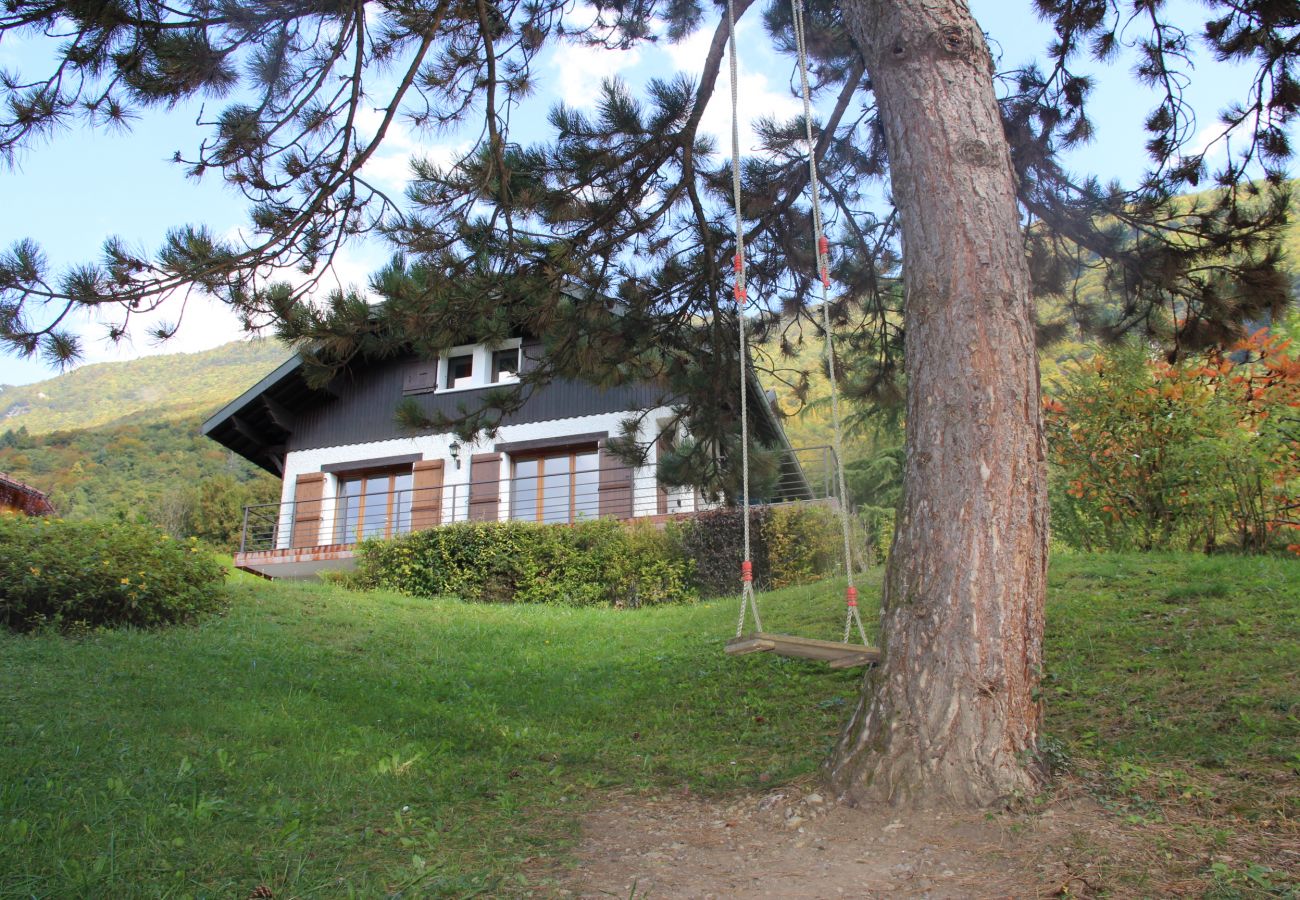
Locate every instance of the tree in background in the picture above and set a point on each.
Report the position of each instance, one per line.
(217, 510)
(631, 202)
(212, 510)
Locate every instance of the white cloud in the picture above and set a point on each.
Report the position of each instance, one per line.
(390, 168)
(582, 70)
(757, 95)
(1205, 141)
(10, 54)
(206, 323)
(1210, 139)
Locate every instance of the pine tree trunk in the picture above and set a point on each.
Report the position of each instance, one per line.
(951, 715)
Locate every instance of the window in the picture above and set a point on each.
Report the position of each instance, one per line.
(460, 371)
(505, 364)
(372, 504)
(559, 487)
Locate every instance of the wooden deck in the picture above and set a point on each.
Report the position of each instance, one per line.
(838, 655)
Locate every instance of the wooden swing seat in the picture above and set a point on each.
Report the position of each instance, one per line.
(840, 656)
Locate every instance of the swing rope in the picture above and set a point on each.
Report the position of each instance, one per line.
(851, 616)
(748, 601)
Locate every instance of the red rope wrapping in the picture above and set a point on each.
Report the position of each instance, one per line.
(746, 571)
(851, 596)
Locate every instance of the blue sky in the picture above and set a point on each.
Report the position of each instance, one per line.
(70, 193)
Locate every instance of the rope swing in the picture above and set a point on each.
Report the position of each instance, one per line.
(843, 654)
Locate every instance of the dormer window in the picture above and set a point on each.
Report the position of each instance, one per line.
(460, 371)
(477, 366)
(505, 365)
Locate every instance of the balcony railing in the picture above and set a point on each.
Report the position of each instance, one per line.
(554, 498)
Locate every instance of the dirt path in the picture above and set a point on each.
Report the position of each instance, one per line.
(794, 844)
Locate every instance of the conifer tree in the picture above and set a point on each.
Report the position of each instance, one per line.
(629, 203)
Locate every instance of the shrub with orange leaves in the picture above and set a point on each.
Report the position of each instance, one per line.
(1200, 453)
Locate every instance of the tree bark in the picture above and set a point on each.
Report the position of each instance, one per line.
(951, 714)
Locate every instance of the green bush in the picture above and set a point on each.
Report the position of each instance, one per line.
(714, 541)
(789, 544)
(805, 542)
(1199, 454)
(91, 574)
(873, 527)
(586, 564)
(604, 562)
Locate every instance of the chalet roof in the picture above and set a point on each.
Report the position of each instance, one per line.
(27, 498)
(258, 422)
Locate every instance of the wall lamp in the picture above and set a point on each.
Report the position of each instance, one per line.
(455, 453)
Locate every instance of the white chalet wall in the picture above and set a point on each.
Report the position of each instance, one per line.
(456, 502)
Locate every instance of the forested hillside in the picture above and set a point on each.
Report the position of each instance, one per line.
(151, 389)
(121, 440)
(152, 471)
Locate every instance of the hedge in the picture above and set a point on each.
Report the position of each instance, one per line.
(805, 542)
(71, 575)
(605, 562)
(789, 544)
(589, 563)
(714, 540)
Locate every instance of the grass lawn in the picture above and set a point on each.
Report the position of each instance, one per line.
(332, 744)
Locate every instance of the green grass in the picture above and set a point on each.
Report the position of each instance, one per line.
(333, 744)
(1182, 660)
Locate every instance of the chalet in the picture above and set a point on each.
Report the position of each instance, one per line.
(351, 472)
(22, 499)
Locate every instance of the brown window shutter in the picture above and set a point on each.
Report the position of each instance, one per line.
(615, 487)
(421, 378)
(307, 493)
(485, 487)
(426, 497)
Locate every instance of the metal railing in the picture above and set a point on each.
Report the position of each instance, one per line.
(552, 497)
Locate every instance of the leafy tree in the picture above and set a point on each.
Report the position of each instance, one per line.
(631, 202)
(217, 507)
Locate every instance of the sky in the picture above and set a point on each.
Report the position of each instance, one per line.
(70, 193)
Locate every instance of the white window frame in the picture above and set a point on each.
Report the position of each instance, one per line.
(480, 376)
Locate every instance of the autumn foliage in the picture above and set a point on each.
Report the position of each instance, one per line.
(1199, 454)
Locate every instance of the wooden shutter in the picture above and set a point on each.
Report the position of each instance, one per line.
(485, 487)
(421, 378)
(426, 498)
(615, 486)
(307, 493)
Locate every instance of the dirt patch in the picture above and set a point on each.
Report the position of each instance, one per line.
(794, 843)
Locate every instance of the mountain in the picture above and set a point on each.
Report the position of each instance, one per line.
(121, 440)
(152, 389)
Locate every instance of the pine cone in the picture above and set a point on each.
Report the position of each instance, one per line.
(262, 892)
